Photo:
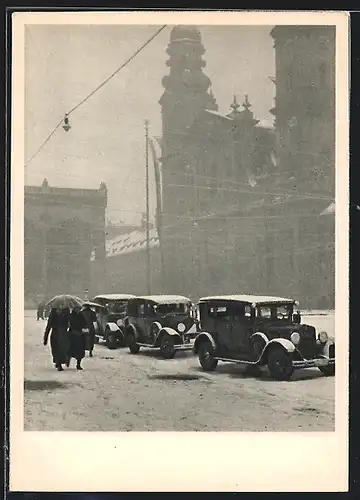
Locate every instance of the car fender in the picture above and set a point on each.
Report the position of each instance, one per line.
(113, 327)
(260, 335)
(326, 347)
(158, 326)
(200, 338)
(130, 328)
(166, 331)
(284, 343)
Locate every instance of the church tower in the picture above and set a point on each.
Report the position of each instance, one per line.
(305, 104)
(187, 93)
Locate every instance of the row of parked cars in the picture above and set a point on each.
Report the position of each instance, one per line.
(251, 330)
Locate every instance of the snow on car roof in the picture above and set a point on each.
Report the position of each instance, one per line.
(165, 299)
(257, 299)
(114, 296)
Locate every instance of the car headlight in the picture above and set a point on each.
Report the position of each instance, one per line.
(181, 327)
(295, 338)
(119, 322)
(323, 337)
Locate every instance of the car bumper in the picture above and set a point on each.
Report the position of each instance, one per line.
(314, 363)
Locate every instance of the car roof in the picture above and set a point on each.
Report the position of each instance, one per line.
(251, 299)
(164, 299)
(114, 296)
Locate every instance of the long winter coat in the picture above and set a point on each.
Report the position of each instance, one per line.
(77, 337)
(90, 318)
(57, 325)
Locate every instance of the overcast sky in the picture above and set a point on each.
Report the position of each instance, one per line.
(106, 141)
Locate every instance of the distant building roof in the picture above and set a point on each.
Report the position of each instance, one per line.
(130, 242)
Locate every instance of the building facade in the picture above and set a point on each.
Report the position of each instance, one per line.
(242, 204)
(245, 209)
(62, 228)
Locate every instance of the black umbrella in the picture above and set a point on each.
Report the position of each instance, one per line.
(63, 301)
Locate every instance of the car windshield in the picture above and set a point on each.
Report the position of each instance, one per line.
(116, 306)
(173, 308)
(281, 312)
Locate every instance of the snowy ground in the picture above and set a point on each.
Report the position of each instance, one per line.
(118, 391)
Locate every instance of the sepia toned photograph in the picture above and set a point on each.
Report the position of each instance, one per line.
(179, 227)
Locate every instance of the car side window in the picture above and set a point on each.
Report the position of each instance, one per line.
(264, 312)
(219, 312)
(247, 312)
(141, 309)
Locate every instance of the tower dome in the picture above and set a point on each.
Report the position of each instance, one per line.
(183, 32)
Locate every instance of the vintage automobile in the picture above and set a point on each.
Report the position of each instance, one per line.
(258, 331)
(165, 322)
(110, 318)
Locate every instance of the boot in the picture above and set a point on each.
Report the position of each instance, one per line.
(90, 354)
(68, 362)
(78, 365)
(59, 368)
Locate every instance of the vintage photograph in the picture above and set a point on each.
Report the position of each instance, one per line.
(179, 227)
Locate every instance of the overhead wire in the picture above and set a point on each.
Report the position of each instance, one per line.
(149, 40)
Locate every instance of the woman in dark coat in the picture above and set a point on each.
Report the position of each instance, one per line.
(77, 337)
(57, 324)
(90, 318)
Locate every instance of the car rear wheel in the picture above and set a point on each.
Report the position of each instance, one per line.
(280, 364)
(134, 348)
(328, 371)
(167, 347)
(206, 357)
(111, 339)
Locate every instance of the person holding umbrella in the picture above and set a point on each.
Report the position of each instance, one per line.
(57, 324)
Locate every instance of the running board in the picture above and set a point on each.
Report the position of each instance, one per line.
(182, 347)
(239, 361)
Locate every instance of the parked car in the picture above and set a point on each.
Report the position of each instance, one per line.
(110, 318)
(258, 331)
(166, 322)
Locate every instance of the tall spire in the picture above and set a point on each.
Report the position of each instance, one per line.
(186, 81)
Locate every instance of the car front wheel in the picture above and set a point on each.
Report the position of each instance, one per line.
(206, 357)
(111, 340)
(280, 364)
(134, 348)
(167, 347)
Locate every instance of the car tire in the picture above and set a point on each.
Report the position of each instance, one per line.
(206, 357)
(111, 340)
(280, 364)
(257, 347)
(328, 371)
(134, 348)
(167, 347)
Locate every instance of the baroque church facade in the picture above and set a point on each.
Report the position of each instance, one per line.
(245, 209)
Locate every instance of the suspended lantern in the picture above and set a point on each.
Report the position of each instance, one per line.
(66, 125)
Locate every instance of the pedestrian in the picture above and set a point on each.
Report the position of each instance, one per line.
(40, 311)
(90, 318)
(57, 325)
(77, 337)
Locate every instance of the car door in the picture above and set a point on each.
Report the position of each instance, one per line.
(141, 320)
(241, 328)
(222, 326)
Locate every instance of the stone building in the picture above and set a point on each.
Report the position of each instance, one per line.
(245, 209)
(62, 228)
